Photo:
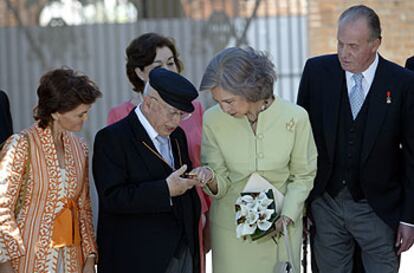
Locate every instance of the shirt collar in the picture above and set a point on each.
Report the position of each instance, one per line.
(368, 74)
(145, 123)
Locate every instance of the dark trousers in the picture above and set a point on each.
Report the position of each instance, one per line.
(339, 223)
(357, 259)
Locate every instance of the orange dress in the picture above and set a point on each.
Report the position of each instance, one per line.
(26, 234)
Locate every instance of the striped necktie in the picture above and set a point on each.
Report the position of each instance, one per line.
(356, 97)
(165, 151)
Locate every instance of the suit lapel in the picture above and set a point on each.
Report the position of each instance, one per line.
(377, 110)
(331, 106)
(150, 157)
(176, 151)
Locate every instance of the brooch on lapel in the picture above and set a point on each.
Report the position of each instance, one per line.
(290, 125)
(388, 99)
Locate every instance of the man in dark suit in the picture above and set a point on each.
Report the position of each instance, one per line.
(361, 108)
(410, 63)
(149, 213)
(6, 126)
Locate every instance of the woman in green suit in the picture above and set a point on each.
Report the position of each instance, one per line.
(253, 131)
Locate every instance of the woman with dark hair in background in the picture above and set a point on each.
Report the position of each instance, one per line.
(145, 53)
(46, 216)
(6, 126)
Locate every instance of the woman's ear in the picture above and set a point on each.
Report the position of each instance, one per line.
(140, 74)
(55, 116)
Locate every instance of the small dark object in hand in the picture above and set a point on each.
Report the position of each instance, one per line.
(189, 175)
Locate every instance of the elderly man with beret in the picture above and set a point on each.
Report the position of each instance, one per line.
(148, 207)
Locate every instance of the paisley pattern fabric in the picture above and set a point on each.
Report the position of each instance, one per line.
(25, 236)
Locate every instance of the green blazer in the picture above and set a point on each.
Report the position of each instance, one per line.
(282, 151)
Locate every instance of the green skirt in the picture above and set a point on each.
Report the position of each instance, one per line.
(232, 255)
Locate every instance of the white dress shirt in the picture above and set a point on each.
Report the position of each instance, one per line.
(150, 130)
(367, 80)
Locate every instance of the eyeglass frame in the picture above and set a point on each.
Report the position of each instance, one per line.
(172, 112)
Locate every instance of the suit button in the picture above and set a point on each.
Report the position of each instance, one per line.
(260, 136)
(343, 182)
(260, 155)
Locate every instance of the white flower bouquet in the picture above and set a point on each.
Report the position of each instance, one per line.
(258, 207)
(256, 213)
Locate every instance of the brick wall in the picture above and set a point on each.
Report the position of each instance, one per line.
(397, 22)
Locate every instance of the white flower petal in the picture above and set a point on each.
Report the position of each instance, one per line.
(245, 229)
(266, 202)
(238, 215)
(252, 217)
(247, 198)
(261, 208)
(251, 205)
(268, 213)
(264, 225)
(249, 229)
(239, 231)
(262, 196)
(244, 210)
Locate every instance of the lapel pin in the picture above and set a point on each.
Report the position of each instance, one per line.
(290, 125)
(388, 100)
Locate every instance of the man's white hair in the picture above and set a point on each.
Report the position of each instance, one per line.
(146, 89)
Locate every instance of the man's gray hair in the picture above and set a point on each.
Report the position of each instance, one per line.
(360, 11)
(146, 89)
(242, 72)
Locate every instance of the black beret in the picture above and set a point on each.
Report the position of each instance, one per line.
(173, 88)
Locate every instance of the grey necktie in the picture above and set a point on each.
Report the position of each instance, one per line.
(165, 151)
(356, 97)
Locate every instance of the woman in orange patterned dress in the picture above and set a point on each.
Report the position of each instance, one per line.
(45, 210)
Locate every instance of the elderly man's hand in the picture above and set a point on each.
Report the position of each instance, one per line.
(405, 238)
(178, 185)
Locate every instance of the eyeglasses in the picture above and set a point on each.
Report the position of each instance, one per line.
(171, 112)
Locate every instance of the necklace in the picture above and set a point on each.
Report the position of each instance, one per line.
(253, 122)
(261, 109)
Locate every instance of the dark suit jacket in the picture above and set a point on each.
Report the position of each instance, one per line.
(387, 171)
(410, 63)
(6, 127)
(138, 229)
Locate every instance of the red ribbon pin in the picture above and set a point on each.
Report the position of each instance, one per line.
(388, 100)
